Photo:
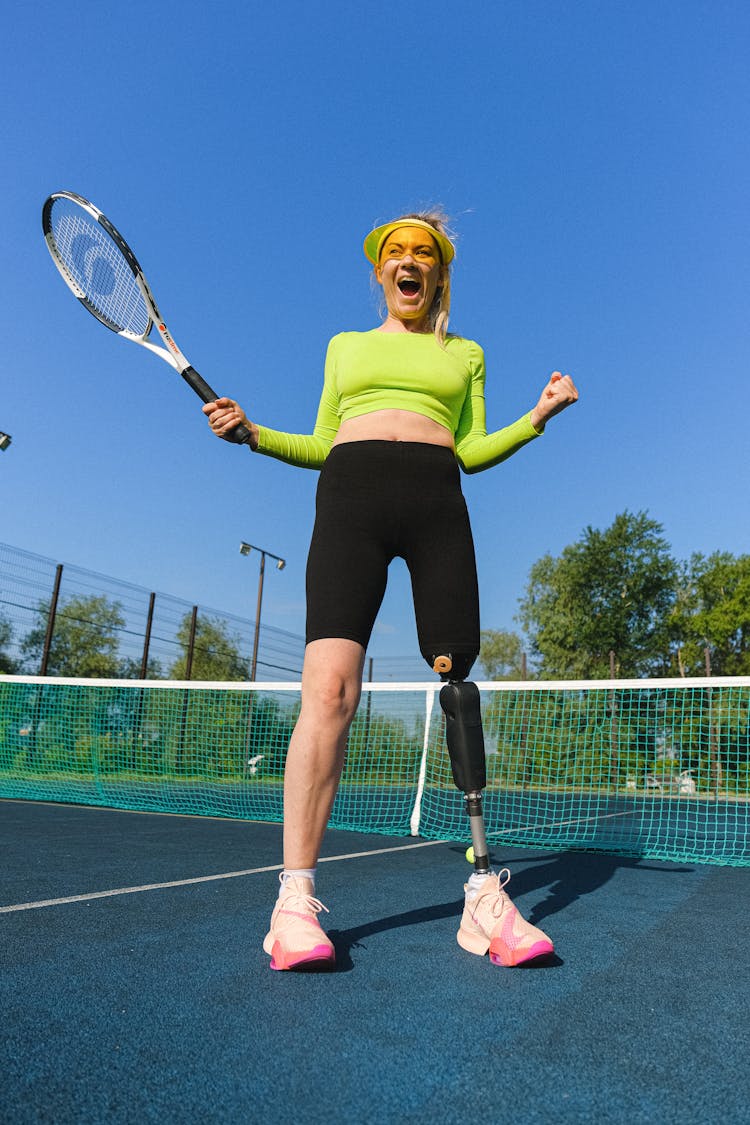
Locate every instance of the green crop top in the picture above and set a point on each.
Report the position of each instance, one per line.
(368, 371)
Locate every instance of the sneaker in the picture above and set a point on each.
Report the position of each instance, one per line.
(295, 938)
(491, 922)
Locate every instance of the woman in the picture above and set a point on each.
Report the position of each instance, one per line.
(402, 408)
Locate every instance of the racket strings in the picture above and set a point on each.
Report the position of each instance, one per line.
(99, 269)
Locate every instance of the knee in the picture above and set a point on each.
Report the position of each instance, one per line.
(333, 696)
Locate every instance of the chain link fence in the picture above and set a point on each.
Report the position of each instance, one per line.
(58, 619)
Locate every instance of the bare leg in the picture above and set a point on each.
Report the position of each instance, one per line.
(331, 687)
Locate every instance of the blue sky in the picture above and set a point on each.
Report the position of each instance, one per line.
(594, 157)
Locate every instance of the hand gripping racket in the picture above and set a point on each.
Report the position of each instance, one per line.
(97, 264)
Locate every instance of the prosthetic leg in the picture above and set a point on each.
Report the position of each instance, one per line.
(490, 922)
(459, 699)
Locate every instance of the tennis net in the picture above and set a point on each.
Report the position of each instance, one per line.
(653, 768)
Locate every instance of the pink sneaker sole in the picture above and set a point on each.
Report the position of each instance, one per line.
(512, 957)
(321, 955)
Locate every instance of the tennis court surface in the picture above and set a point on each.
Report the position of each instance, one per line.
(135, 988)
(155, 1002)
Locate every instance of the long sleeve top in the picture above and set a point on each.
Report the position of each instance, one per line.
(369, 371)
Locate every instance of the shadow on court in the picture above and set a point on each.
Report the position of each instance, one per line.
(356, 938)
(566, 877)
(141, 992)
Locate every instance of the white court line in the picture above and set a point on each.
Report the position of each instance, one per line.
(205, 878)
(565, 824)
(278, 867)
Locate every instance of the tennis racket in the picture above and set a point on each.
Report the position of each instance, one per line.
(102, 271)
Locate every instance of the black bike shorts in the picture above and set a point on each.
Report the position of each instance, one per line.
(378, 500)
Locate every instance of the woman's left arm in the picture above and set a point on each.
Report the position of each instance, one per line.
(558, 395)
(475, 448)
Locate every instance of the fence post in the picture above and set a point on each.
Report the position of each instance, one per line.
(51, 620)
(147, 637)
(137, 740)
(191, 643)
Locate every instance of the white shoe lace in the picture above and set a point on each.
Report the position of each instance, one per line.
(502, 900)
(495, 902)
(306, 903)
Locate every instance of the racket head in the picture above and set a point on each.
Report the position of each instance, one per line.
(97, 265)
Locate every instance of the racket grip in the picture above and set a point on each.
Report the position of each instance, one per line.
(240, 434)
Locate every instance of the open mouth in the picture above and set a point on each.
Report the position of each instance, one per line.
(409, 287)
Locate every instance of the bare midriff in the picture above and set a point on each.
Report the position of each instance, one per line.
(394, 425)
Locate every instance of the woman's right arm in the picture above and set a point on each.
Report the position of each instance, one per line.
(225, 414)
(308, 451)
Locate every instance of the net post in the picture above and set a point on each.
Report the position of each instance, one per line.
(188, 674)
(416, 811)
(713, 733)
(614, 731)
(368, 706)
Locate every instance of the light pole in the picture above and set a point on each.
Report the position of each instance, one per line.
(5, 440)
(245, 549)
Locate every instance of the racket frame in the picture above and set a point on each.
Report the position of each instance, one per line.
(170, 353)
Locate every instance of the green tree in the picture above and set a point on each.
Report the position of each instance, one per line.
(501, 655)
(612, 591)
(84, 640)
(712, 611)
(130, 669)
(216, 653)
(7, 663)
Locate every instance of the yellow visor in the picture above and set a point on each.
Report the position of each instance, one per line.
(376, 238)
